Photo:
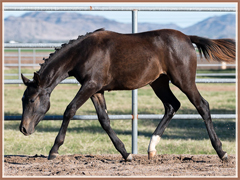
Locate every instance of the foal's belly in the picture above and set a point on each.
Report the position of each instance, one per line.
(134, 79)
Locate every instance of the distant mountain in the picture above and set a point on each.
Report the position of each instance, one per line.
(60, 27)
(214, 27)
(55, 27)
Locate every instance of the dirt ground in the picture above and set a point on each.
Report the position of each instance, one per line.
(114, 165)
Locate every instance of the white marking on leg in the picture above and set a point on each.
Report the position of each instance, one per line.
(153, 142)
(105, 110)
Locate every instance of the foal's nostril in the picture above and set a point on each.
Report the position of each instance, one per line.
(24, 131)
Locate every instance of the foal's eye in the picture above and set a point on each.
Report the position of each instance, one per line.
(31, 100)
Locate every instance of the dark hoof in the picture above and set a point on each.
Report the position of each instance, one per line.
(53, 156)
(129, 158)
(225, 158)
(152, 154)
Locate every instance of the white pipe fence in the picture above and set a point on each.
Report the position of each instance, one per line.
(74, 81)
(129, 116)
(117, 8)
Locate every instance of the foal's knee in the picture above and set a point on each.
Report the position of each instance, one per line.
(105, 124)
(69, 112)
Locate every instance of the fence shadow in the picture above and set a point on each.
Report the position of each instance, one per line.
(177, 129)
(195, 129)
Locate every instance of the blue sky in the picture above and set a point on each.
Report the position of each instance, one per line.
(182, 19)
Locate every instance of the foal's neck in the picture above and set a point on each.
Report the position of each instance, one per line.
(54, 73)
(57, 67)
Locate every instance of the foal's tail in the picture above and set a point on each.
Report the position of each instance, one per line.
(215, 49)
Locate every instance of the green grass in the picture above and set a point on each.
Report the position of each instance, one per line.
(87, 137)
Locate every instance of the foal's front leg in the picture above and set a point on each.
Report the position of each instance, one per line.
(86, 91)
(101, 109)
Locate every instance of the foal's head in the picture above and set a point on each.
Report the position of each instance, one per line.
(35, 103)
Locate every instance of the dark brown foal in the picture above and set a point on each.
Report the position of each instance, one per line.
(104, 61)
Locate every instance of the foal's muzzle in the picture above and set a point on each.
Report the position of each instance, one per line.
(26, 128)
(24, 131)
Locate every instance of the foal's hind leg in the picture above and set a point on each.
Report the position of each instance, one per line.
(186, 82)
(182, 73)
(101, 109)
(202, 107)
(171, 105)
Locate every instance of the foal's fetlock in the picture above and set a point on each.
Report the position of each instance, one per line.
(52, 156)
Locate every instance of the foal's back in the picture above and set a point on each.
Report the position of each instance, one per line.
(132, 61)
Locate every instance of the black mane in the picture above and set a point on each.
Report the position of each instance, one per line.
(57, 50)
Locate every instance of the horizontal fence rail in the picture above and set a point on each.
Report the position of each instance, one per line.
(216, 74)
(216, 65)
(35, 45)
(128, 116)
(200, 74)
(117, 8)
(199, 65)
(32, 45)
(74, 81)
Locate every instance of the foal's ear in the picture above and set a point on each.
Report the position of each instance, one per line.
(36, 77)
(25, 80)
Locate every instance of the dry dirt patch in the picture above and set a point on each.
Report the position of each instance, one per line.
(114, 165)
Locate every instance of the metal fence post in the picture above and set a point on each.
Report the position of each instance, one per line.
(34, 57)
(19, 63)
(134, 96)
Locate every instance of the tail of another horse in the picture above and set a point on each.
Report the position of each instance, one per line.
(217, 49)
